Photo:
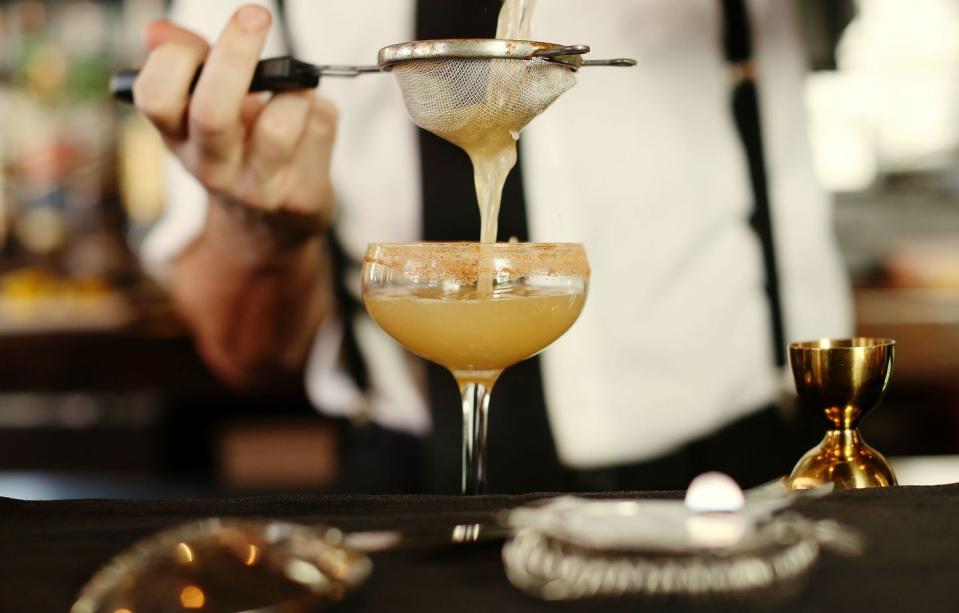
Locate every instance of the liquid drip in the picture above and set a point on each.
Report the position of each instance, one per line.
(493, 151)
(491, 146)
(485, 132)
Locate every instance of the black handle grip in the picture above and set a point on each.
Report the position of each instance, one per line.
(276, 74)
(121, 85)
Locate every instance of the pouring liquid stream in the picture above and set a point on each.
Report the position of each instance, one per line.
(492, 148)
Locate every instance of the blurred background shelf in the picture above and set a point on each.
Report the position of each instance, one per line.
(146, 352)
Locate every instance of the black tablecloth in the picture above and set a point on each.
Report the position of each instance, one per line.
(49, 549)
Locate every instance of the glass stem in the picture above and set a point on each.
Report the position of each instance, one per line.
(475, 417)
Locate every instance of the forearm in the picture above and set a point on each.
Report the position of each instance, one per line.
(253, 294)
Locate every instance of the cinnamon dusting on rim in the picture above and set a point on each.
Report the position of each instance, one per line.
(464, 263)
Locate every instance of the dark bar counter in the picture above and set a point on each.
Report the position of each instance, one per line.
(49, 549)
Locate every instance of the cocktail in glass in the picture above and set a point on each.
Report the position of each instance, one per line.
(475, 309)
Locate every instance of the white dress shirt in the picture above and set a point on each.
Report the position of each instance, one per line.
(642, 165)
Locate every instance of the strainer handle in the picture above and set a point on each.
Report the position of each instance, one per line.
(276, 74)
(619, 61)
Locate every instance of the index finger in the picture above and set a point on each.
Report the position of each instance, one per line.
(162, 90)
(226, 76)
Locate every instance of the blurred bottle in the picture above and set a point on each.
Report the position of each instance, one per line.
(142, 156)
(87, 119)
(35, 158)
(79, 169)
(141, 152)
(4, 208)
(61, 135)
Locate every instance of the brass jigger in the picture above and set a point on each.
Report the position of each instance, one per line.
(844, 380)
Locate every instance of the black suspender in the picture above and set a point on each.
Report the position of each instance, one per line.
(737, 45)
(346, 304)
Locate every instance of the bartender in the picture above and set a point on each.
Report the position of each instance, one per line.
(688, 178)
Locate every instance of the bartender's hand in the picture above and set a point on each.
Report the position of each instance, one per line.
(265, 162)
(256, 283)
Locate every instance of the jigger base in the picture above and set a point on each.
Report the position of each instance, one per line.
(844, 459)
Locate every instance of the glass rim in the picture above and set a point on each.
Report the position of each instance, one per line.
(474, 244)
(463, 260)
(834, 344)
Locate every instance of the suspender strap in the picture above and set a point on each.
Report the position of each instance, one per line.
(346, 304)
(737, 45)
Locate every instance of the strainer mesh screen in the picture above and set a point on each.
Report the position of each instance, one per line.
(451, 96)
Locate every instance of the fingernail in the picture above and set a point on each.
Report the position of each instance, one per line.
(253, 18)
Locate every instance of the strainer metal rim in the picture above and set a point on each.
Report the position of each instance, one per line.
(471, 48)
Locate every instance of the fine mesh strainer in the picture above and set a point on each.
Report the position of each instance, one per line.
(456, 88)
(449, 85)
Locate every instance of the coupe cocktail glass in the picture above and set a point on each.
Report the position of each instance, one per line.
(475, 309)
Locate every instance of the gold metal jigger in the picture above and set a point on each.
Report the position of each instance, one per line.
(844, 380)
